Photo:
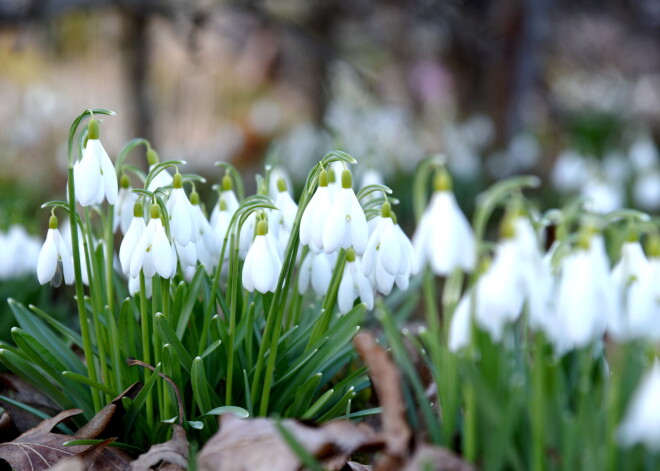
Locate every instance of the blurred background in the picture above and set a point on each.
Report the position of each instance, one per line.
(567, 89)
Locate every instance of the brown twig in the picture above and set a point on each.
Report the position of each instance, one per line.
(134, 362)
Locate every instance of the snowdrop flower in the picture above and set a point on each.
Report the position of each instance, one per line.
(335, 171)
(131, 238)
(54, 258)
(153, 252)
(274, 186)
(314, 217)
(163, 178)
(226, 196)
(182, 224)
(123, 210)
(641, 423)
(632, 268)
(316, 269)
(389, 255)
(134, 286)
(94, 174)
(262, 266)
(19, 252)
(584, 295)
(444, 238)
(346, 225)
(353, 284)
(247, 235)
(220, 224)
(643, 300)
(207, 245)
(460, 326)
(285, 205)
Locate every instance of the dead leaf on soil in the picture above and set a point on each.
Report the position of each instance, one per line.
(108, 419)
(39, 448)
(256, 444)
(14, 387)
(386, 379)
(435, 458)
(173, 452)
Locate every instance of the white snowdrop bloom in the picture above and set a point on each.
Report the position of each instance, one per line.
(646, 190)
(353, 284)
(602, 196)
(19, 252)
(207, 244)
(371, 177)
(134, 286)
(275, 175)
(153, 252)
(221, 220)
(54, 258)
(131, 238)
(346, 224)
(644, 154)
(123, 209)
(315, 215)
(66, 236)
(227, 202)
(585, 295)
(187, 254)
(459, 329)
(180, 212)
(643, 300)
(389, 256)
(94, 174)
(286, 205)
(631, 269)
(570, 171)
(262, 266)
(641, 422)
(246, 236)
(335, 171)
(316, 269)
(444, 239)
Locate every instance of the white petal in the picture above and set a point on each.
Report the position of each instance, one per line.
(263, 267)
(359, 231)
(87, 176)
(459, 330)
(48, 256)
(321, 274)
(305, 274)
(129, 243)
(107, 171)
(162, 252)
(346, 293)
(390, 249)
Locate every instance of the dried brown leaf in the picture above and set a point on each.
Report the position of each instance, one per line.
(14, 387)
(386, 379)
(438, 458)
(353, 466)
(172, 452)
(108, 419)
(256, 444)
(39, 448)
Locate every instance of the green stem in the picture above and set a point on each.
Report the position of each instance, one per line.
(470, 432)
(538, 405)
(146, 355)
(233, 287)
(109, 260)
(80, 294)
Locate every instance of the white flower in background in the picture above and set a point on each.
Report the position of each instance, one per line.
(153, 252)
(162, 179)
(123, 209)
(66, 236)
(94, 174)
(646, 190)
(602, 196)
(262, 266)
(274, 186)
(444, 239)
(643, 300)
(346, 225)
(131, 238)
(179, 210)
(134, 286)
(585, 294)
(227, 201)
(54, 258)
(316, 269)
(315, 215)
(246, 236)
(641, 423)
(643, 154)
(207, 245)
(389, 256)
(353, 284)
(570, 171)
(459, 328)
(631, 269)
(371, 177)
(282, 219)
(19, 252)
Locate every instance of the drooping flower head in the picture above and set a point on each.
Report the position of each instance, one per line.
(123, 210)
(131, 238)
(444, 239)
(262, 266)
(94, 175)
(54, 258)
(315, 215)
(163, 178)
(353, 284)
(641, 423)
(153, 252)
(346, 225)
(182, 224)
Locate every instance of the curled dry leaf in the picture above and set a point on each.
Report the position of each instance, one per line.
(173, 452)
(386, 379)
(39, 448)
(108, 419)
(256, 444)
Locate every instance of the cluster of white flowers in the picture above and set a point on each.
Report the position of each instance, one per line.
(18, 252)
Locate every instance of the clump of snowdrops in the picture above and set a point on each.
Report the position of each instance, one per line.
(540, 345)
